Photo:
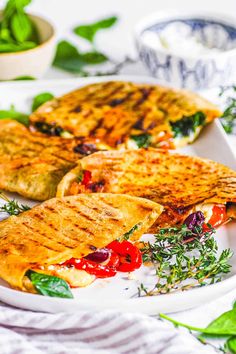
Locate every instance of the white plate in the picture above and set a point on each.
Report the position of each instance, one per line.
(119, 292)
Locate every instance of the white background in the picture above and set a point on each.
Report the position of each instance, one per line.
(65, 14)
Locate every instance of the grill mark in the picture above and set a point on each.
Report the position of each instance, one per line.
(97, 126)
(104, 100)
(145, 92)
(118, 101)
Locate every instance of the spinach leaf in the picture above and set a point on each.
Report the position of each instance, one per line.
(70, 59)
(49, 285)
(67, 58)
(188, 125)
(23, 78)
(89, 31)
(13, 114)
(12, 47)
(231, 344)
(41, 99)
(142, 140)
(127, 235)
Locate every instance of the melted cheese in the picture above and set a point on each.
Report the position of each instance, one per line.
(206, 209)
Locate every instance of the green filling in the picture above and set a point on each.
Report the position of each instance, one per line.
(187, 126)
(142, 140)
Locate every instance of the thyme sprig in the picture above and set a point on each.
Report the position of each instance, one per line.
(12, 207)
(184, 259)
(228, 118)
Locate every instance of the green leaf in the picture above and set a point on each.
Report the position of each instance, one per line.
(142, 140)
(41, 99)
(68, 58)
(231, 344)
(49, 285)
(24, 78)
(223, 325)
(89, 31)
(21, 27)
(188, 125)
(13, 114)
(12, 47)
(93, 58)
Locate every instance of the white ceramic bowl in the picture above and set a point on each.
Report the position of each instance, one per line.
(184, 69)
(33, 62)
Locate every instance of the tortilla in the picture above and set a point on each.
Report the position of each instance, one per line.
(60, 229)
(32, 164)
(178, 182)
(123, 114)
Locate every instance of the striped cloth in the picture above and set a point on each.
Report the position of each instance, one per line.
(107, 332)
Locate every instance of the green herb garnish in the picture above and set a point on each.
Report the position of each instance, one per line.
(13, 114)
(49, 285)
(223, 326)
(40, 99)
(187, 126)
(89, 31)
(127, 235)
(12, 207)
(228, 117)
(17, 31)
(70, 59)
(142, 140)
(184, 259)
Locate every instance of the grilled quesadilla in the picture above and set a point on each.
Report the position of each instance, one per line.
(32, 164)
(52, 239)
(182, 184)
(123, 114)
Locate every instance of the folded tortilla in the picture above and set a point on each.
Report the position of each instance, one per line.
(127, 114)
(75, 226)
(178, 182)
(31, 164)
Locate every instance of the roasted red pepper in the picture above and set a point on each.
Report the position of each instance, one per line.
(218, 217)
(99, 270)
(130, 256)
(87, 178)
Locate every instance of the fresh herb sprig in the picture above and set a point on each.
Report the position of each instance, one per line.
(223, 326)
(70, 58)
(12, 207)
(228, 118)
(184, 259)
(17, 31)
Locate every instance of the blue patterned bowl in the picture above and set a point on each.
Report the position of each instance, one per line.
(217, 67)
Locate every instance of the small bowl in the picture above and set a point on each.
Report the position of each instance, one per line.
(33, 62)
(184, 69)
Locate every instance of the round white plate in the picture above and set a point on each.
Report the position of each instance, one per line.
(120, 292)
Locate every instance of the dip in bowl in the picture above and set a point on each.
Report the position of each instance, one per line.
(189, 50)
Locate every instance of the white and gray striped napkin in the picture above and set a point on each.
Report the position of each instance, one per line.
(107, 332)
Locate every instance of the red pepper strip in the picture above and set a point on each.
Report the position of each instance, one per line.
(218, 217)
(100, 271)
(130, 255)
(87, 177)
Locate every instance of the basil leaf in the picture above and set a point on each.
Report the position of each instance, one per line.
(12, 47)
(13, 114)
(188, 125)
(21, 27)
(231, 344)
(92, 58)
(89, 31)
(49, 285)
(41, 99)
(24, 78)
(67, 58)
(224, 324)
(142, 140)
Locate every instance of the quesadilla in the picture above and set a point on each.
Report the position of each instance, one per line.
(47, 237)
(119, 114)
(32, 164)
(182, 184)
